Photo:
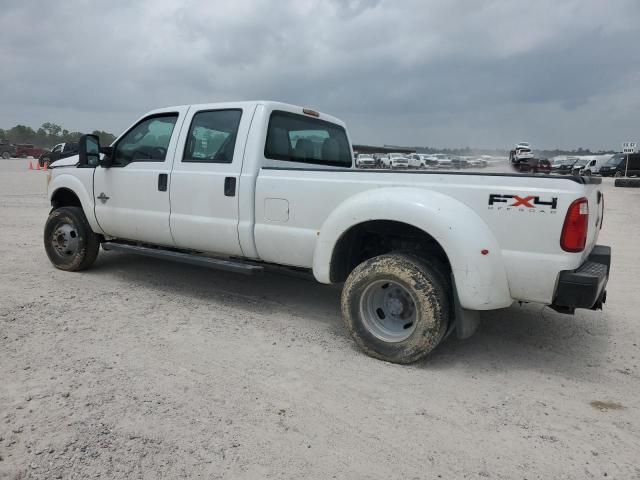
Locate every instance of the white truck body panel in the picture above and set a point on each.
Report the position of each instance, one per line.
(290, 213)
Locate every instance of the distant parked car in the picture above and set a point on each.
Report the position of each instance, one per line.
(443, 161)
(564, 167)
(458, 162)
(543, 166)
(61, 150)
(24, 150)
(533, 165)
(399, 162)
(475, 162)
(417, 161)
(576, 168)
(521, 152)
(617, 166)
(365, 161)
(7, 150)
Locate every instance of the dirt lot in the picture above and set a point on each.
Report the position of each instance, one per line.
(147, 369)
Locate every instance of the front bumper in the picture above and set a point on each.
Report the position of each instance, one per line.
(586, 286)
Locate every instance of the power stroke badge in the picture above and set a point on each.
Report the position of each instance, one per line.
(522, 203)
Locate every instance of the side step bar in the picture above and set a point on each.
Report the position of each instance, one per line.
(189, 258)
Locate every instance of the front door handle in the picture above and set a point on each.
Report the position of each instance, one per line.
(230, 186)
(162, 182)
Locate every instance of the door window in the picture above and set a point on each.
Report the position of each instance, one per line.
(148, 141)
(212, 136)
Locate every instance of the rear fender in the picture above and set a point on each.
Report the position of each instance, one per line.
(472, 250)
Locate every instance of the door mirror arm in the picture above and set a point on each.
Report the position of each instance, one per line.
(107, 159)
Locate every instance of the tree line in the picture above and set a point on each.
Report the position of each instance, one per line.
(48, 135)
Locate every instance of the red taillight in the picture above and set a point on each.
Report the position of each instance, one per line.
(576, 224)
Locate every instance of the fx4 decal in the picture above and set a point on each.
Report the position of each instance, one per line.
(531, 203)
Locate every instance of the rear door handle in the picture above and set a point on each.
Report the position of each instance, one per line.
(162, 182)
(230, 186)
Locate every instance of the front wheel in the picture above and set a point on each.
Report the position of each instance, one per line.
(45, 160)
(6, 155)
(397, 306)
(69, 241)
(618, 174)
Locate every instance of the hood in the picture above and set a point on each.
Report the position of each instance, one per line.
(66, 162)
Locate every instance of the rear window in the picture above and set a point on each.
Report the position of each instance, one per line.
(298, 138)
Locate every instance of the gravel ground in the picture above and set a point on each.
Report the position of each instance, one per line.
(141, 368)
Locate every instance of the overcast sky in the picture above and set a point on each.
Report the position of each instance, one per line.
(556, 73)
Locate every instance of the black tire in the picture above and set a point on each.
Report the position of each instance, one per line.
(428, 287)
(69, 241)
(6, 155)
(44, 160)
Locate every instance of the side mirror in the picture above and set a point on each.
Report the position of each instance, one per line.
(89, 150)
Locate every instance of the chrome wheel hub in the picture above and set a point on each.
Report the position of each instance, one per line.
(65, 240)
(388, 311)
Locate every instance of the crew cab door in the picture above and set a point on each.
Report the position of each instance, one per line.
(205, 180)
(132, 196)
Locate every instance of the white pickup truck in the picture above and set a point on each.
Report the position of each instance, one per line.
(241, 186)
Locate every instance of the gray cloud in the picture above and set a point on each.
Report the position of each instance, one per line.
(445, 73)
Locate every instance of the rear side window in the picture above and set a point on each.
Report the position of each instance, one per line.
(212, 136)
(298, 138)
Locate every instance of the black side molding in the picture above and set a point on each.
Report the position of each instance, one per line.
(185, 257)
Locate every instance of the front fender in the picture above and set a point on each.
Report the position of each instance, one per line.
(480, 279)
(82, 187)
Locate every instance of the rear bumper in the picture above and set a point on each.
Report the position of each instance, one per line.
(586, 286)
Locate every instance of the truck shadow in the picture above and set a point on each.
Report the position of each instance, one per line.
(273, 291)
(519, 337)
(531, 337)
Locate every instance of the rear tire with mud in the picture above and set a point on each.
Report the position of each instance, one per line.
(69, 241)
(397, 306)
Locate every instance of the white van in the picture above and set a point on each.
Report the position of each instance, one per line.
(593, 167)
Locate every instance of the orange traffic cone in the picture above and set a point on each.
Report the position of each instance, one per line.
(45, 166)
(30, 165)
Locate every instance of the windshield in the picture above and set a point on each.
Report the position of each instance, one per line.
(581, 162)
(615, 160)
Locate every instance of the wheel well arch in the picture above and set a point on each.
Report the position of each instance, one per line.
(376, 237)
(65, 197)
